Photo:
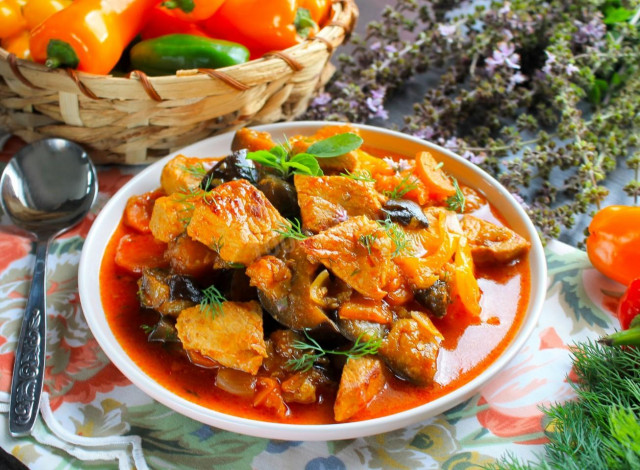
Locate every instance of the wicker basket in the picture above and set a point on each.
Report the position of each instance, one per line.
(137, 119)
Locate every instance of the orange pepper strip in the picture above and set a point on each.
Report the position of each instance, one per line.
(11, 19)
(97, 31)
(36, 11)
(436, 180)
(465, 282)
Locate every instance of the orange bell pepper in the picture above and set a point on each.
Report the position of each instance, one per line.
(613, 244)
(18, 44)
(11, 19)
(89, 35)
(267, 26)
(318, 9)
(162, 21)
(202, 9)
(36, 11)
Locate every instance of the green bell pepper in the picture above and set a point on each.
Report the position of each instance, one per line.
(164, 55)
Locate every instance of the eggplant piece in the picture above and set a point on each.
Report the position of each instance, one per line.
(167, 293)
(406, 213)
(281, 194)
(436, 298)
(233, 167)
(164, 331)
(362, 329)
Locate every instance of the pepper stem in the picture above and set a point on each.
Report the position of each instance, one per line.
(630, 337)
(304, 23)
(185, 5)
(60, 53)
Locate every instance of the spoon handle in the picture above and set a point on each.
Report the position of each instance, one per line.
(28, 369)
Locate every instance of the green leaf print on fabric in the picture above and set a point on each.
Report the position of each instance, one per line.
(173, 441)
(565, 275)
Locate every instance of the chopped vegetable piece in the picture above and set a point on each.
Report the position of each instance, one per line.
(411, 348)
(465, 284)
(362, 308)
(189, 257)
(233, 338)
(137, 251)
(166, 293)
(252, 140)
(137, 212)
(435, 179)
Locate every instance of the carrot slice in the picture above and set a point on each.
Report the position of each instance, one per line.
(431, 174)
(137, 251)
(137, 212)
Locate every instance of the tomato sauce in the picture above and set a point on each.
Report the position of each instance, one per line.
(468, 349)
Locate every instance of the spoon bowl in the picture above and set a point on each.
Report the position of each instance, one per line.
(46, 188)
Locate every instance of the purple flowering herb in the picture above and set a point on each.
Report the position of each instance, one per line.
(506, 55)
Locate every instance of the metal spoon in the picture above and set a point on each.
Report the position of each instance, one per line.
(46, 188)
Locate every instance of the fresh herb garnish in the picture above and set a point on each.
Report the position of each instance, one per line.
(305, 163)
(212, 302)
(457, 201)
(218, 244)
(305, 362)
(601, 427)
(397, 235)
(147, 328)
(367, 241)
(362, 175)
(403, 187)
(304, 23)
(294, 230)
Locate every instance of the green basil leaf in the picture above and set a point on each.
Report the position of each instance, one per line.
(262, 156)
(279, 152)
(306, 164)
(335, 146)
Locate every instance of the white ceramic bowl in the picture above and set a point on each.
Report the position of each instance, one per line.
(149, 178)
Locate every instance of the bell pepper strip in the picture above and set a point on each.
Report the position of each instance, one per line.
(162, 21)
(202, 9)
(11, 19)
(36, 11)
(18, 44)
(271, 26)
(165, 55)
(89, 35)
(613, 244)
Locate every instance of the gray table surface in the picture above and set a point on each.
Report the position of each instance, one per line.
(401, 103)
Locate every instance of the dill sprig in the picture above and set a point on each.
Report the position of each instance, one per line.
(197, 169)
(294, 230)
(212, 302)
(457, 201)
(403, 187)
(360, 347)
(397, 235)
(601, 428)
(361, 175)
(367, 241)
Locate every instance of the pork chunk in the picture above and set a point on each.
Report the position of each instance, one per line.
(326, 201)
(362, 379)
(491, 243)
(233, 337)
(184, 174)
(237, 221)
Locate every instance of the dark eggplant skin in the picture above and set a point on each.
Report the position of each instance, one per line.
(233, 167)
(167, 293)
(406, 213)
(281, 194)
(436, 298)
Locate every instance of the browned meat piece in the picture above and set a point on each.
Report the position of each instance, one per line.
(362, 308)
(284, 288)
(184, 174)
(411, 348)
(357, 251)
(170, 216)
(237, 221)
(302, 387)
(491, 243)
(328, 200)
(362, 379)
(232, 337)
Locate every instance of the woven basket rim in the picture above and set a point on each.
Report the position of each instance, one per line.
(275, 65)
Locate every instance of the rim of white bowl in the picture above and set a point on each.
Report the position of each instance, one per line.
(104, 225)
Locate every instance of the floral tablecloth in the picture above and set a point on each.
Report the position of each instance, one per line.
(93, 417)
